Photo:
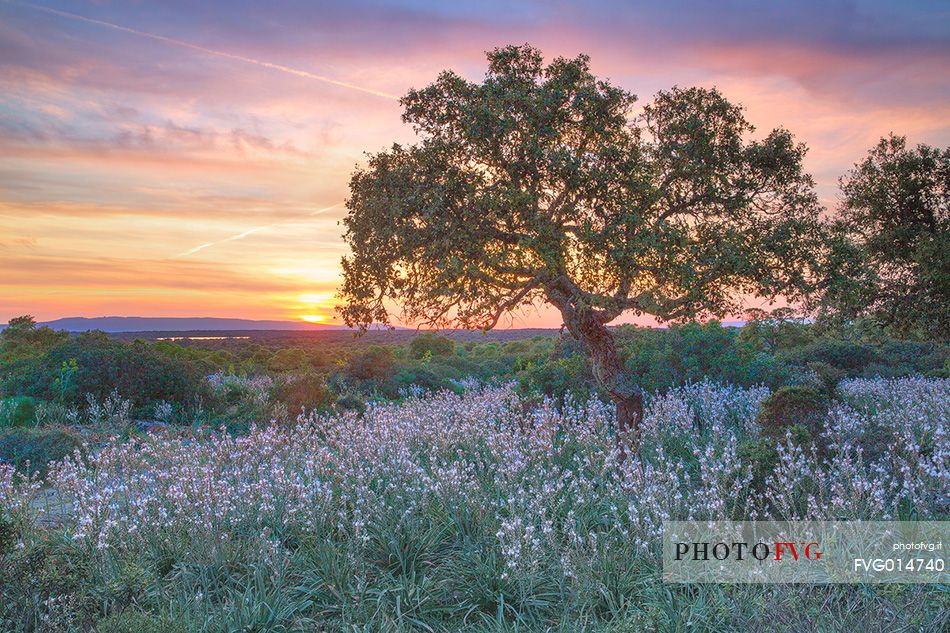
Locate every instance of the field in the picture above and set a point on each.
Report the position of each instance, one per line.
(480, 511)
(338, 216)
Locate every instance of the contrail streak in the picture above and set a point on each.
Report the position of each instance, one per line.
(242, 235)
(208, 51)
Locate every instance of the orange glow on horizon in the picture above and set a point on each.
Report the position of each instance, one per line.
(151, 168)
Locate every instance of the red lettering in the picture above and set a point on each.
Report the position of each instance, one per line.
(780, 545)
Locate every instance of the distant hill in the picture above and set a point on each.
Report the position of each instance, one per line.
(118, 324)
(179, 324)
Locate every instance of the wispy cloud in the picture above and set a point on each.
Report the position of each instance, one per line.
(164, 135)
(243, 234)
(79, 275)
(208, 51)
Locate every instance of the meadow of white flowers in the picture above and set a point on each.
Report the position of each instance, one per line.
(489, 509)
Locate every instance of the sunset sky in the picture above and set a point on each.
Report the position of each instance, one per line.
(183, 158)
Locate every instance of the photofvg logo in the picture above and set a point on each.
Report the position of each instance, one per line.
(777, 550)
(804, 551)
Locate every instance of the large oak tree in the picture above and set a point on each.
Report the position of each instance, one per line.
(542, 184)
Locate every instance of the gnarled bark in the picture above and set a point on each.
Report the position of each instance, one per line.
(610, 375)
(585, 325)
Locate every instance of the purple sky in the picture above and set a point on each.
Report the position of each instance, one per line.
(184, 158)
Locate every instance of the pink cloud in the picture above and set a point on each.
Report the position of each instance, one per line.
(111, 138)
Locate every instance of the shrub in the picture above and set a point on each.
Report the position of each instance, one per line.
(431, 344)
(351, 402)
(558, 378)
(794, 406)
(414, 378)
(239, 401)
(690, 353)
(828, 376)
(772, 334)
(375, 362)
(850, 357)
(916, 356)
(760, 454)
(517, 347)
(18, 412)
(94, 364)
(32, 449)
(454, 367)
(304, 391)
(21, 339)
(288, 359)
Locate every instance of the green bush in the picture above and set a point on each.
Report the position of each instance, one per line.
(351, 402)
(304, 391)
(558, 378)
(844, 355)
(288, 359)
(690, 353)
(92, 363)
(18, 412)
(760, 454)
(828, 376)
(32, 449)
(771, 335)
(21, 339)
(375, 362)
(917, 355)
(517, 347)
(409, 377)
(793, 406)
(431, 344)
(455, 366)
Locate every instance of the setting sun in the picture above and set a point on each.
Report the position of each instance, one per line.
(217, 186)
(314, 318)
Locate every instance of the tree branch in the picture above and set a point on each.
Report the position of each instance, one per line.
(513, 301)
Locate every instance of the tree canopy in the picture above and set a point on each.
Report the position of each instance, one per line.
(543, 184)
(538, 179)
(21, 339)
(892, 240)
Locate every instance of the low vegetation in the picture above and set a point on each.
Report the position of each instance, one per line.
(442, 485)
(91, 386)
(473, 512)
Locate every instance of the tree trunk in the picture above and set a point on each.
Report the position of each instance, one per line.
(629, 417)
(610, 375)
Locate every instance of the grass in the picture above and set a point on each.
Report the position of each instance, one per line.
(473, 512)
